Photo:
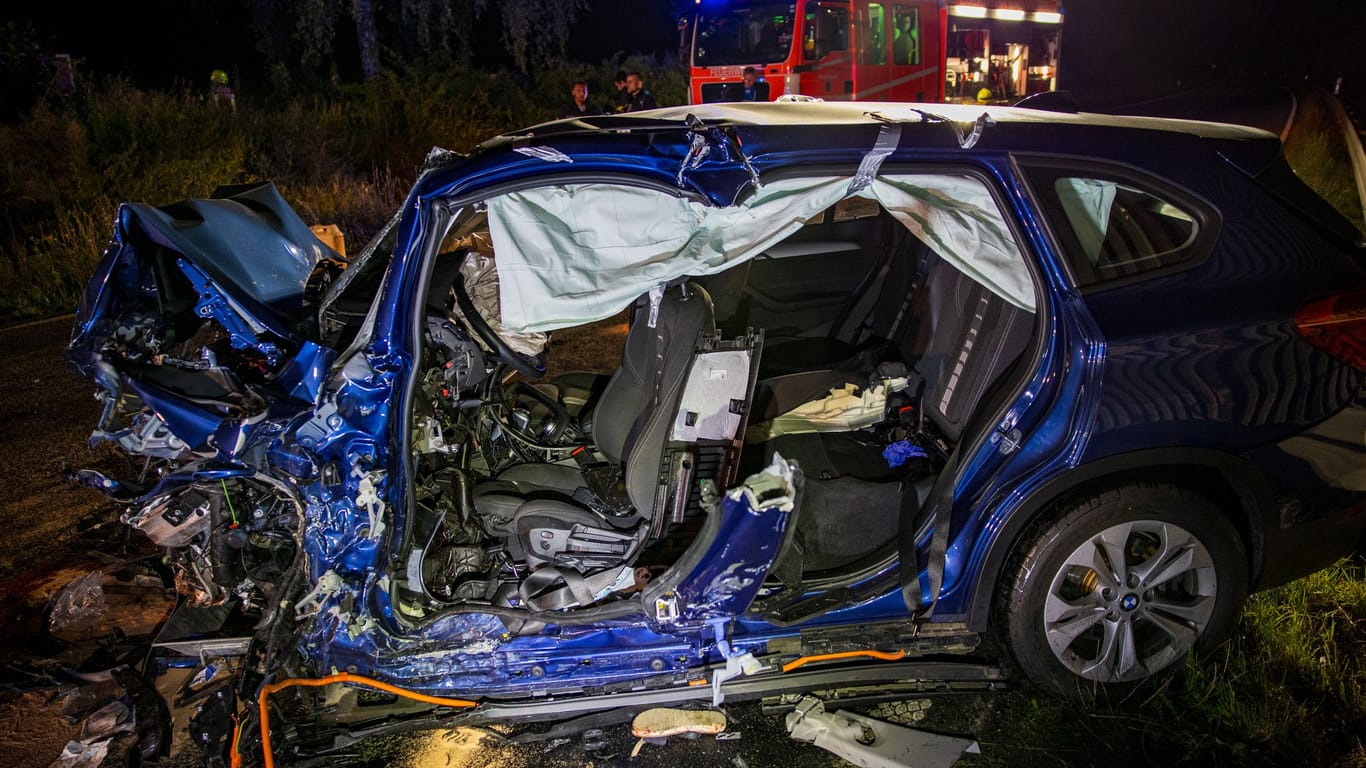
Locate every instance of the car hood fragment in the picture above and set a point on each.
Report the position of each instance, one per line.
(198, 322)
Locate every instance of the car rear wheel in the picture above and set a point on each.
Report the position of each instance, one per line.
(1120, 586)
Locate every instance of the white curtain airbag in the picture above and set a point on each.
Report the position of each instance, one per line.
(576, 253)
(958, 218)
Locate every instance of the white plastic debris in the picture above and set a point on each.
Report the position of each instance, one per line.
(768, 488)
(328, 585)
(737, 663)
(871, 743)
(367, 498)
(113, 718)
(211, 671)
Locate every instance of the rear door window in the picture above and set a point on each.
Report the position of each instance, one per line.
(1115, 225)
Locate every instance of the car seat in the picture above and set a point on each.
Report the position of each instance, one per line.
(585, 518)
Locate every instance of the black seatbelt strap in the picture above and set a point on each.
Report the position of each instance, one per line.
(578, 590)
(940, 506)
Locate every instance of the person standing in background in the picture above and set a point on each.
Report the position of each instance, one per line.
(578, 105)
(750, 86)
(906, 46)
(639, 98)
(623, 95)
(219, 91)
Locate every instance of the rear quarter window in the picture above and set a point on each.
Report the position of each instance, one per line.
(1116, 225)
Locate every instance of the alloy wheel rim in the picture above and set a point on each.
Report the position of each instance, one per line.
(1129, 601)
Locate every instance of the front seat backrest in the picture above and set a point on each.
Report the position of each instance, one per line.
(630, 419)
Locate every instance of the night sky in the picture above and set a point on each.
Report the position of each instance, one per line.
(1110, 47)
(1173, 45)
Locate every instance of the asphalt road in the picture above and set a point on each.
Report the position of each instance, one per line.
(46, 414)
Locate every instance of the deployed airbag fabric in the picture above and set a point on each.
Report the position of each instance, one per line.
(576, 253)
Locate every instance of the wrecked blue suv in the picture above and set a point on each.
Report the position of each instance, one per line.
(890, 381)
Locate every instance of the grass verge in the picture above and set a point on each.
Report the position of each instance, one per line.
(1317, 151)
(1288, 689)
(347, 156)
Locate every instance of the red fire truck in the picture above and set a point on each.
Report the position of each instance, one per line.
(895, 50)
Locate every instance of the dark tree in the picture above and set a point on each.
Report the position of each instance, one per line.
(535, 32)
(270, 21)
(298, 36)
(363, 14)
(315, 29)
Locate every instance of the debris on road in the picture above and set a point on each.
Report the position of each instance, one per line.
(901, 711)
(81, 755)
(78, 604)
(870, 743)
(655, 726)
(662, 722)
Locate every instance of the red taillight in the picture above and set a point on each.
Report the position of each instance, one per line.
(1337, 324)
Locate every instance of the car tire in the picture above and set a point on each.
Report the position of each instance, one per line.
(1117, 587)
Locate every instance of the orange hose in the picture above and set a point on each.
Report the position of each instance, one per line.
(884, 655)
(318, 682)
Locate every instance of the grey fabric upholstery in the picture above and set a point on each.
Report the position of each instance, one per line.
(685, 312)
(548, 529)
(956, 336)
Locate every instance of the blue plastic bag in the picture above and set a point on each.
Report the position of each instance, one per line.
(897, 453)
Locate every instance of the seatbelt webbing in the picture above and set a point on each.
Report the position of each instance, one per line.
(578, 590)
(940, 505)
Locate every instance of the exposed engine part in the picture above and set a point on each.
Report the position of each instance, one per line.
(230, 536)
(138, 337)
(172, 521)
(211, 727)
(200, 365)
